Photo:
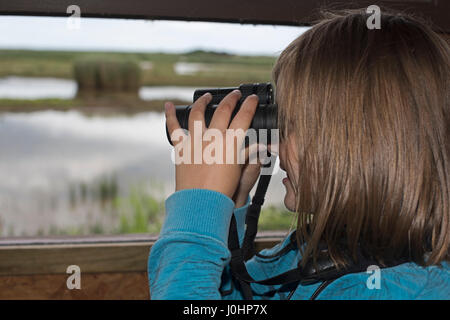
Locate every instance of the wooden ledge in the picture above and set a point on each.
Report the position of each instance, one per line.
(112, 267)
(93, 254)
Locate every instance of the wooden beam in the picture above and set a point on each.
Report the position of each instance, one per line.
(446, 36)
(34, 256)
(112, 267)
(281, 12)
(54, 259)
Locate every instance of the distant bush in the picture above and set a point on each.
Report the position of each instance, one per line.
(276, 218)
(208, 52)
(107, 74)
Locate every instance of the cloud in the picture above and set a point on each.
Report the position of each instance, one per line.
(52, 33)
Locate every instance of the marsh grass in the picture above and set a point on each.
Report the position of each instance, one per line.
(107, 74)
(141, 209)
(139, 212)
(103, 104)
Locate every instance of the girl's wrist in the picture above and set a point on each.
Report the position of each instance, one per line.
(240, 199)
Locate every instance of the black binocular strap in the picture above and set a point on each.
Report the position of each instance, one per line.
(239, 270)
(240, 255)
(252, 217)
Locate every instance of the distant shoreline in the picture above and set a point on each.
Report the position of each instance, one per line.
(103, 105)
(157, 69)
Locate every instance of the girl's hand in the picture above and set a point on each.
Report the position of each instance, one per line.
(222, 177)
(250, 174)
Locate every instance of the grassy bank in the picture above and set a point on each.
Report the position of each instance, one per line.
(157, 68)
(95, 105)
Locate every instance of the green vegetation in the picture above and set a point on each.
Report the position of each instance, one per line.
(37, 104)
(222, 69)
(110, 80)
(107, 74)
(276, 218)
(105, 103)
(141, 210)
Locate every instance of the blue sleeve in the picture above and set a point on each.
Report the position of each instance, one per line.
(189, 259)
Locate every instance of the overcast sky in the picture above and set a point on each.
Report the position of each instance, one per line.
(147, 36)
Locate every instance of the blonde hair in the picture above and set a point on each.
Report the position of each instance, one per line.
(369, 112)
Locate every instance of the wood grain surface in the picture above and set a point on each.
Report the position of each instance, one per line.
(111, 267)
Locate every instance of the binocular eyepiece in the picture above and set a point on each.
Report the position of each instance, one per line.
(266, 112)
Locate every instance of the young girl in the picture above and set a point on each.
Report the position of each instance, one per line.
(364, 120)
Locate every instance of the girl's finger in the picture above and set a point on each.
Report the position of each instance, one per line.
(198, 111)
(252, 153)
(171, 119)
(243, 119)
(222, 115)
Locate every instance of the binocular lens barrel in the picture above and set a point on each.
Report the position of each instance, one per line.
(266, 112)
(264, 92)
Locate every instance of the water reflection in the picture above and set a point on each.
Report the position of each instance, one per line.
(44, 153)
(41, 88)
(190, 68)
(64, 170)
(37, 88)
(167, 92)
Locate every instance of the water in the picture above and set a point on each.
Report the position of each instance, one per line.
(48, 156)
(37, 88)
(190, 68)
(45, 153)
(41, 88)
(167, 92)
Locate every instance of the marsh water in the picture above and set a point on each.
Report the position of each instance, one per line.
(41, 88)
(55, 166)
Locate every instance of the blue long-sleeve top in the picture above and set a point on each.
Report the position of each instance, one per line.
(190, 260)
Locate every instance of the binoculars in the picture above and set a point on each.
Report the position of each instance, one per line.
(266, 112)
